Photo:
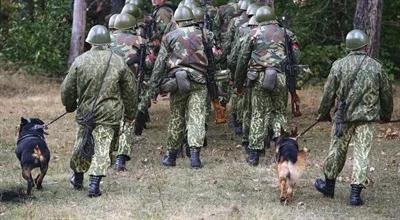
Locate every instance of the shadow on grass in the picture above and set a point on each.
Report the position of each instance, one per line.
(17, 196)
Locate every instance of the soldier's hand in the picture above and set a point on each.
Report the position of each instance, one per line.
(70, 108)
(140, 122)
(324, 118)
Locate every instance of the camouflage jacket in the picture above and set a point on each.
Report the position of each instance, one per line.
(234, 24)
(222, 19)
(82, 83)
(263, 47)
(369, 98)
(162, 17)
(181, 49)
(237, 43)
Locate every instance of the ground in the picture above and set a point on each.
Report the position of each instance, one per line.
(226, 188)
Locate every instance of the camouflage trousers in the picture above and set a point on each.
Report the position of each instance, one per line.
(126, 139)
(360, 136)
(246, 119)
(105, 138)
(268, 108)
(188, 112)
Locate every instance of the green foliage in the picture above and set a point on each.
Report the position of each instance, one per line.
(42, 43)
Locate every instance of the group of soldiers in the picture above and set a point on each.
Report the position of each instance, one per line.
(205, 56)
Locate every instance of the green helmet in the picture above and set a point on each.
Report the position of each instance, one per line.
(98, 35)
(181, 3)
(356, 39)
(124, 21)
(245, 4)
(265, 13)
(198, 14)
(111, 21)
(138, 3)
(253, 21)
(133, 10)
(183, 13)
(191, 3)
(252, 9)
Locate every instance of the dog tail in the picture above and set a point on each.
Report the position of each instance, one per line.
(37, 154)
(296, 169)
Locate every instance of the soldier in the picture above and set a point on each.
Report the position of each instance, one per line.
(363, 95)
(99, 85)
(263, 51)
(223, 17)
(181, 68)
(127, 44)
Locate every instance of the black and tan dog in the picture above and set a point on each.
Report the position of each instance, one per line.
(32, 151)
(290, 163)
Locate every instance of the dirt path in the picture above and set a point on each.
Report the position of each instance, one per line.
(226, 188)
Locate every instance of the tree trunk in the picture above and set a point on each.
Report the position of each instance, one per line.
(116, 6)
(78, 30)
(368, 17)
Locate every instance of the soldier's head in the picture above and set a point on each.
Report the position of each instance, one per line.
(125, 22)
(245, 4)
(183, 16)
(253, 22)
(198, 14)
(265, 14)
(111, 22)
(98, 36)
(133, 10)
(252, 9)
(357, 40)
(158, 2)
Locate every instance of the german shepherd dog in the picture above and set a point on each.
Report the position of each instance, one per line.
(32, 151)
(290, 163)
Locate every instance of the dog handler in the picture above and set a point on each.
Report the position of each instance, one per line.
(100, 87)
(363, 95)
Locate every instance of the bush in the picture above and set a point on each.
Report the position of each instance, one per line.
(42, 43)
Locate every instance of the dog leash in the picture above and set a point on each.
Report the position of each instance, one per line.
(56, 119)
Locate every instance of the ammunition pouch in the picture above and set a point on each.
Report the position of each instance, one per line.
(222, 75)
(169, 85)
(269, 79)
(251, 78)
(86, 146)
(339, 118)
(183, 81)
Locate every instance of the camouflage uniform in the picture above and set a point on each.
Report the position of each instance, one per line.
(369, 99)
(127, 44)
(182, 49)
(222, 19)
(114, 103)
(264, 47)
(161, 17)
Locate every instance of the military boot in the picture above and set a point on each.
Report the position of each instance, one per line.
(77, 181)
(169, 158)
(245, 145)
(120, 163)
(355, 197)
(94, 186)
(195, 158)
(326, 187)
(253, 157)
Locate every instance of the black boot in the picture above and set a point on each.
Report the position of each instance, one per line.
(120, 163)
(94, 186)
(77, 181)
(355, 198)
(253, 157)
(326, 187)
(169, 158)
(245, 146)
(195, 158)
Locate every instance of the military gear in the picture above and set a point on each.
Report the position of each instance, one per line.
(326, 187)
(77, 181)
(198, 14)
(132, 10)
(120, 163)
(98, 35)
(191, 4)
(252, 9)
(265, 14)
(195, 162)
(253, 21)
(270, 79)
(355, 195)
(182, 81)
(169, 158)
(111, 21)
(124, 22)
(94, 186)
(183, 14)
(139, 3)
(253, 157)
(245, 4)
(356, 39)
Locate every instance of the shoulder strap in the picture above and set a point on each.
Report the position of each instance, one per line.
(354, 76)
(102, 81)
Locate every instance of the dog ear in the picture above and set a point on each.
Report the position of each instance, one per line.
(23, 121)
(294, 132)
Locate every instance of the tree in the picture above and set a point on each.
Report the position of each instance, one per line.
(116, 6)
(368, 17)
(78, 30)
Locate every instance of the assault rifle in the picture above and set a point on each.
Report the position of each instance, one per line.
(212, 87)
(140, 70)
(290, 72)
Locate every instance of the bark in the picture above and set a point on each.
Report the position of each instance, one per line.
(368, 17)
(78, 30)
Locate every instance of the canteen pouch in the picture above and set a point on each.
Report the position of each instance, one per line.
(183, 81)
(169, 85)
(339, 118)
(269, 79)
(251, 78)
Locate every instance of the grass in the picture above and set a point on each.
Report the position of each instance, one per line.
(226, 188)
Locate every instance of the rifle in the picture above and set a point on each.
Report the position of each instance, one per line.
(140, 70)
(290, 72)
(212, 87)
